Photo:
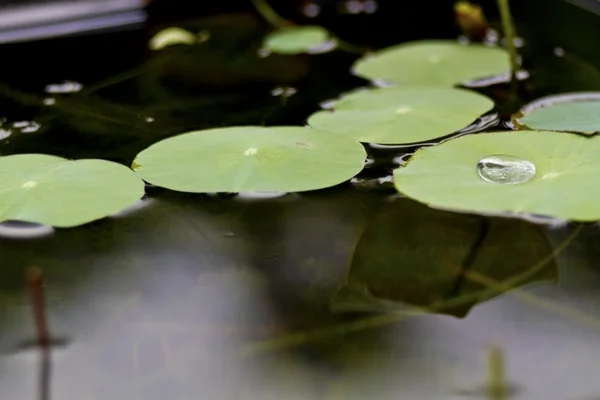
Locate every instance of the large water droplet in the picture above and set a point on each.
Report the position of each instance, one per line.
(504, 168)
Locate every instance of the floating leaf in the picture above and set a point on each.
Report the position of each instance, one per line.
(433, 62)
(251, 158)
(564, 183)
(402, 115)
(228, 59)
(396, 270)
(54, 191)
(296, 39)
(171, 36)
(573, 112)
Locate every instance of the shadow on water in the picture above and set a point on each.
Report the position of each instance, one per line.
(303, 296)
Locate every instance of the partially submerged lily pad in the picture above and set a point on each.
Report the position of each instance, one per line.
(571, 112)
(564, 183)
(251, 158)
(54, 191)
(402, 115)
(296, 39)
(433, 62)
(398, 270)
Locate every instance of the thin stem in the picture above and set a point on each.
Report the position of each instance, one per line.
(497, 387)
(349, 47)
(270, 15)
(35, 287)
(509, 36)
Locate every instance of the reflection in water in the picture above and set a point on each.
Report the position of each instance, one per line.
(64, 87)
(23, 230)
(27, 126)
(262, 195)
(160, 304)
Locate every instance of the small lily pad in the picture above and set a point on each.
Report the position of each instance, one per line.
(296, 39)
(400, 115)
(54, 191)
(170, 37)
(564, 182)
(433, 62)
(571, 112)
(251, 158)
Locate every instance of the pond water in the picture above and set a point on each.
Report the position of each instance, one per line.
(274, 295)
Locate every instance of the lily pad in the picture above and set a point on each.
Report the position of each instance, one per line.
(396, 270)
(572, 112)
(562, 184)
(251, 158)
(170, 37)
(55, 191)
(433, 62)
(401, 115)
(296, 39)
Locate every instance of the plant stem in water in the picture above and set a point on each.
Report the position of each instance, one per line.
(35, 287)
(509, 36)
(270, 15)
(497, 388)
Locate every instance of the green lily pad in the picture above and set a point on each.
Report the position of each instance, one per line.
(433, 62)
(401, 115)
(54, 191)
(573, 112)
(562, 184)
(170, 37)
(251, 158)
(296, 39)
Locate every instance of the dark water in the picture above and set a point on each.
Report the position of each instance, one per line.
(216, 297)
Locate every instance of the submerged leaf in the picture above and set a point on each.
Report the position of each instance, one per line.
(572, 112)
(251, 158)
(54, 191)
(539, 172)
(402, 115)
(404, 260)
(433, 62)
(296, 39)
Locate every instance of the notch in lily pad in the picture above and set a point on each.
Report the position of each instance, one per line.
(54, 191)
(251, 158)
(297, 40)
(539, 172)
(433, 62)
(402, 115)
(569, 112)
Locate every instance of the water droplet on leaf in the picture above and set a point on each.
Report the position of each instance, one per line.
(505, 169)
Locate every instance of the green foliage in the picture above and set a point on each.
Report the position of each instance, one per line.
(54, 191)
(433, 62)
(566, 169)
(402, 114)
(251, 158)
